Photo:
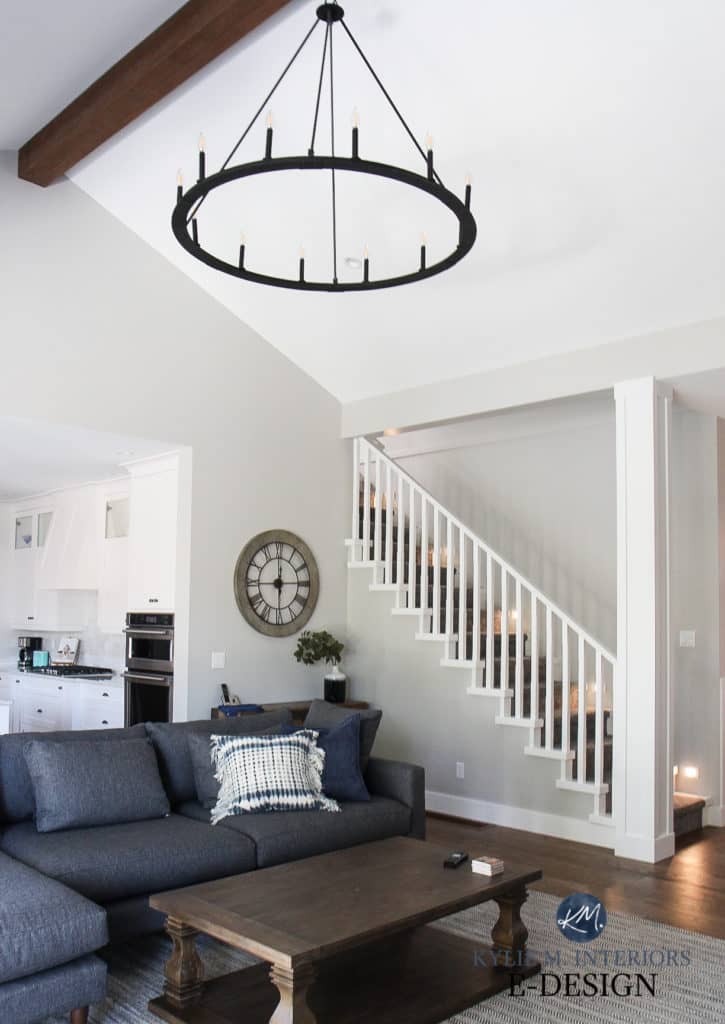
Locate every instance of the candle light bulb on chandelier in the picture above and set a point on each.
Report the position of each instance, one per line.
(202, 142)
(355, 118)
(270, 120)
(179, 185)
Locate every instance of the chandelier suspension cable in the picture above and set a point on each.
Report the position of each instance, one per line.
(328, 29)
(388, 97)
(332, 169)
(251, 124)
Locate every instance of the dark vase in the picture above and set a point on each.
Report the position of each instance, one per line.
(336, 686)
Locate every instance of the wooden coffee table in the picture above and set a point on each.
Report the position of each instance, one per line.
(345, 937)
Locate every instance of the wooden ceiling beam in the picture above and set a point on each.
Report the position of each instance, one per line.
(199, 31)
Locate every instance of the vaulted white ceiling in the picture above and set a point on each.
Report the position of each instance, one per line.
(594, 135)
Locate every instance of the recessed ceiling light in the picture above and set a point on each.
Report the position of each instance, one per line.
(125, 453)
(353, 262)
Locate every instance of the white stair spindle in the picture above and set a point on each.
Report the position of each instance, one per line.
(411, 551)
(476, 630)
(388, 523)
(581, 740)
(401, 534)
(423, 603)
(449, 577)
(377, 544)
(355, 535)
(549, 697)
(599, 724)
(565, 701)
(534, 656)
(519, 671)
(490, 683)
(436, 625)
(366, 503)
(462, 598)
(504, 629)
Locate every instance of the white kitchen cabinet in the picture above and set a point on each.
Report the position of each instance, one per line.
(22, 582)
(46, 704)
(113, 577)
(5, 712)
(9, 693)
(152, 535)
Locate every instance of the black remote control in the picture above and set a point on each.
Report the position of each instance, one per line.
(454, 860)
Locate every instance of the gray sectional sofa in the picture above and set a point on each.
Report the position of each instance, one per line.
(64, 895)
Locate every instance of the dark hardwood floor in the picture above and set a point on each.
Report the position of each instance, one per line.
(687, 891)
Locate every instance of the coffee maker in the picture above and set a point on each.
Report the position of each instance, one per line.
(26, 646)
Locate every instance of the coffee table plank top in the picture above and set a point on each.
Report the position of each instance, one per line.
(311, 909)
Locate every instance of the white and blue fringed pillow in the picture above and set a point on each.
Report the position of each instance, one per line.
(268, 773)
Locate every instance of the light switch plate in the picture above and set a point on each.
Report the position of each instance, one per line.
(218, 659)
(687, 638)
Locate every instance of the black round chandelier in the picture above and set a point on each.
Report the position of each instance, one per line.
(185, 222)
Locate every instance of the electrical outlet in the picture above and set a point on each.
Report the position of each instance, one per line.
(460, 770)
(218, 659)
(687, 638)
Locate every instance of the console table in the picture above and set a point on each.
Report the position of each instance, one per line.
(299, 708)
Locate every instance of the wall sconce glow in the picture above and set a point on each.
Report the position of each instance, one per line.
(675, 770)
(691, 771)
(391, 432)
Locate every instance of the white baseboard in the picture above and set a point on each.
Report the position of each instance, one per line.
(646, 849)
(714, 817)
(557, 825)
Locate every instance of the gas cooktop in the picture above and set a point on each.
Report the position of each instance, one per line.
(71, 670)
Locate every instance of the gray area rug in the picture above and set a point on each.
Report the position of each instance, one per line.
(685, 993)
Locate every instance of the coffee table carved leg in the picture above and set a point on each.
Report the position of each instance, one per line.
(184, 971)
(292, 986)
(509, 934)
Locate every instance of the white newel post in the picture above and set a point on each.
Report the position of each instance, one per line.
(642, 784)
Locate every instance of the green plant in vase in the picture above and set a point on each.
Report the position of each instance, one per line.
(314, 646)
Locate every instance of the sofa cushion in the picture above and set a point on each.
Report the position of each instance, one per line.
(52, 992)
(323, 715)
(172, 748)
(16, 789)
(43, 923)
(114, 862)
(341, 776)
(281, 836)
(200, 751)
(94, 782)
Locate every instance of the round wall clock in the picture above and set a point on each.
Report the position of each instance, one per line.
(276, 583)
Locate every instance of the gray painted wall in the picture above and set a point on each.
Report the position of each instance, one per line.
(98, 330)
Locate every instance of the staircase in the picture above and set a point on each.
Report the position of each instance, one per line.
(515, 646)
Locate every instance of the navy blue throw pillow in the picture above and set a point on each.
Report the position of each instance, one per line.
(342, 778)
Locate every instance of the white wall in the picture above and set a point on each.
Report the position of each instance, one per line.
(696, 599)
(99, 331)
(721, 530)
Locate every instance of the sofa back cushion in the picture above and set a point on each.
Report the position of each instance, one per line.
(16, 789)
(323, 715)
(172, 747)
(94, 782)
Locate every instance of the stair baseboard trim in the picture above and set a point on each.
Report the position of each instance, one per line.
(577, 830)
(552, 755)
(457, 663)
(604, 820)
(410, 611)
(369, 564)
(523, 723)
(391, 587)
(484, 691)
(583, 787)
(438, 638)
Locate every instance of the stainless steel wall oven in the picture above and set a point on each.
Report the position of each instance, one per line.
(149, 667)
